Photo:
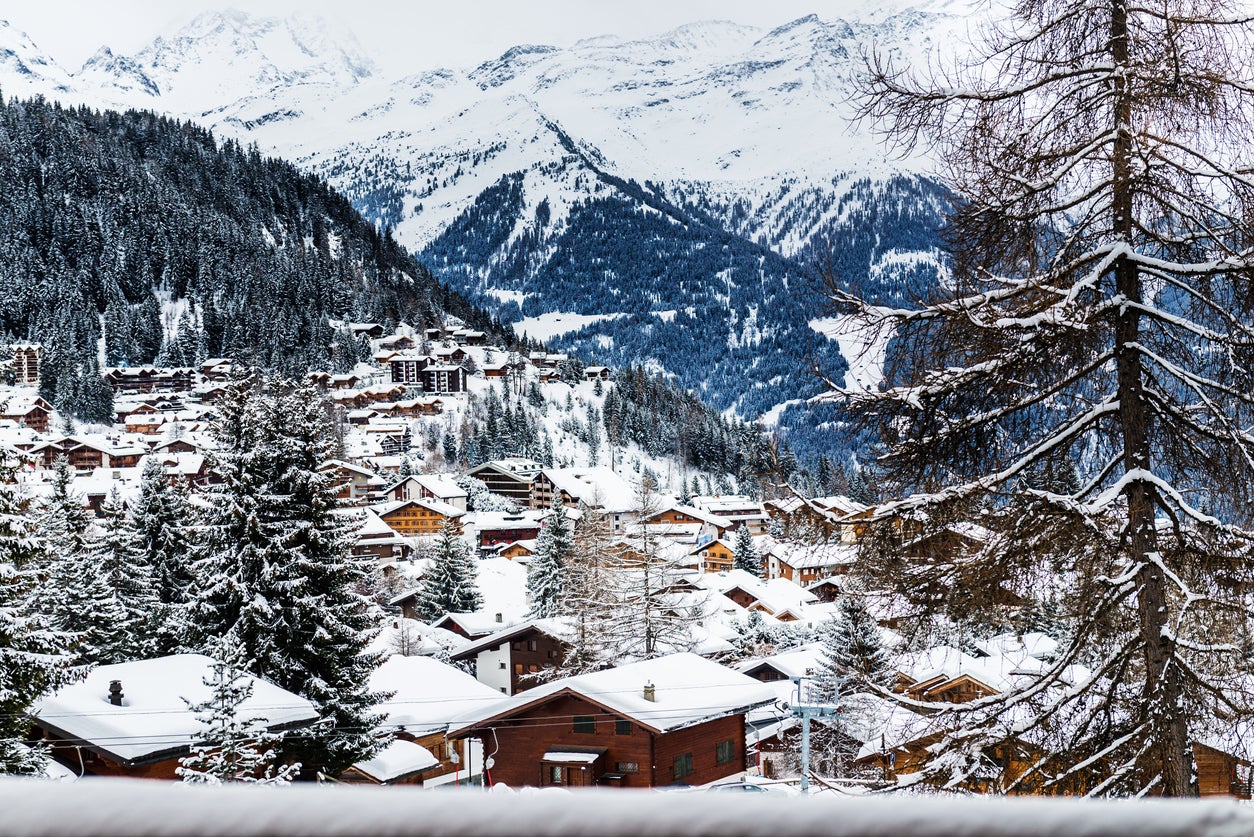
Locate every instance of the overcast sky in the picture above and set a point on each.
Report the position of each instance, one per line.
(400, 35)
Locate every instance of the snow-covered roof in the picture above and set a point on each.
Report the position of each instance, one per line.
(154, 720)
(796, 662)
(427, 693)
(814, 556)
(398, 760)
(596, 487)
(556, 628)
(687, 689)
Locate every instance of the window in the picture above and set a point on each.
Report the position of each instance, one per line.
(725, 751)
(517, 646)
(555, 775)
(585, 723)
(622, 728)
(531, 645)
(518, 668)
(502, 664)
(533, 668)
(628, 767)
(683, 765)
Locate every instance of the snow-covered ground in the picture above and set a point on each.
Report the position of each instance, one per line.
(864, 347)
(555, 323)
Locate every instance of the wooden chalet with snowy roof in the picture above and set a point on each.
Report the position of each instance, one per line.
(133, 719)
(672, 720)
(425, 693)
(511, 477)
(27, 411)
(512, 660)
(419, 517)
(716, 556)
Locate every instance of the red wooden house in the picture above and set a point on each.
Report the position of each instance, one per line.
(672, 720)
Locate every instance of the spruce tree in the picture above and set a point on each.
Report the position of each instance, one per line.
(853, 655)
(163, 521)
(275, 569)
(119, 560)
(232, 748)
(448, 585)
(546, 574)
(29, 645)
(745, 553)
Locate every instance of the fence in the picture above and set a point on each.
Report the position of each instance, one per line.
(137, 808)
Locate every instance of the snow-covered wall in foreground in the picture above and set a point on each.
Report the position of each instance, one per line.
(132, 807)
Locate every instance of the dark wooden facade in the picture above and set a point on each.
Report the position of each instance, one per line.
(627, 753)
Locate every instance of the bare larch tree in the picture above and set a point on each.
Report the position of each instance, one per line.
(1099, 312)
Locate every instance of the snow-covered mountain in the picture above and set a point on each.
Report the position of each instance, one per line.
(674, 191)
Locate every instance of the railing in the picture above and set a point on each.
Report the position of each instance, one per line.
(138, 808)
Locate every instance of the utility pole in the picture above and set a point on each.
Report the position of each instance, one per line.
(800, 708)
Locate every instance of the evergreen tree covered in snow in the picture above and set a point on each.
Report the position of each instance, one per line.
(163, 521)
(29, 667)
(230, 747)
(448, 585)
(1098, 314)
(853, 654)
(275, 570)
(745, 554)
(117, 553)
(549, 567)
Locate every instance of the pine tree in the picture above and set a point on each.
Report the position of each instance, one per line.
(448, 585)
(275, 570)
(29, 645)
(547, 572)
(232, 748)
(162, 521)
(853, 654)
(745, 553)
(116, 552)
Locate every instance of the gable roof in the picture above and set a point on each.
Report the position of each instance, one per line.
(426, 692)
(688, 690)
(559, 629)
(154, 721)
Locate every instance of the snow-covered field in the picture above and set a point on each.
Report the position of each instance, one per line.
(864, 347)
(555, 323)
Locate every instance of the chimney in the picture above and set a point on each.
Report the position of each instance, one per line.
(650, 692)
(500, 617)
(115, 692)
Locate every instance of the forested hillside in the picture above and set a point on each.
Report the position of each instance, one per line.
(129, 237)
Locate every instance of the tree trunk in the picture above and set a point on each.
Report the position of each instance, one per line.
(1162, 678)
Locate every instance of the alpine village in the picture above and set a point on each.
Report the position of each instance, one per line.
(856, 407)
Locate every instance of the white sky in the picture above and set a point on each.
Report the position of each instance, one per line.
(400, 36)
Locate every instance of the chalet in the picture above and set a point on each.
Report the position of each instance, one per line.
(133, 719)
(35, 413)
(425, 694)
(348, 381)
(672, 720)
(86, 453)
(740, 510)
(440, 487)
(827, 589)
(779, 597)
(149, 379)
(216, 369)
(469, 337)
(496, 528)
(510, 477)
(687, 523)
(370, 330)
(433, 375)
(518, 550)
(716, 556)
(797, 662)
(26, 360)
(512, 660)
(853, 516)
(596, 373)
(355, 483)
(322, 380)
(419, 517)
(472, 626)
(597, 488)
(496, 370)
(450, 355)
(399, 343)
(384, 357)
(375, 539)
(805, 564)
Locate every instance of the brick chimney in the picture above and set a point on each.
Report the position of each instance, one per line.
(115, 692)
(650, 692)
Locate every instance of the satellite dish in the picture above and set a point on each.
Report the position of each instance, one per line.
(489, 763)
(454, 758)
